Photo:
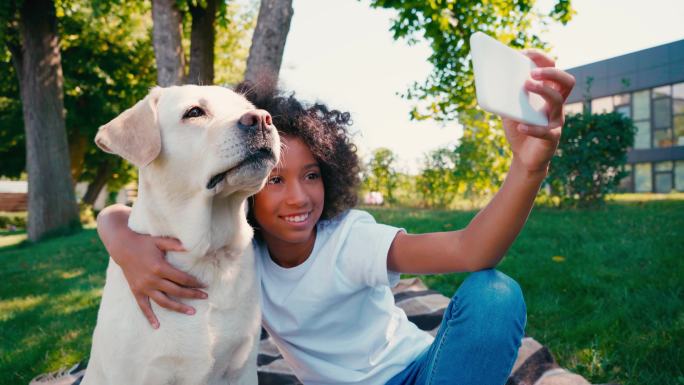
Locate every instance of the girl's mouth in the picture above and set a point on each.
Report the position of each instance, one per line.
(299, 218)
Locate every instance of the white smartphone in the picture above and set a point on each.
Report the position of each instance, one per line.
(500, 75)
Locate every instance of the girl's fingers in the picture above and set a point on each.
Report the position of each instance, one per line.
(562, 79)
(162, 300)
(144, 304)
(180, 277)
(536, 131)
(172, 289)
(168, 244)
(539, 58)
(553, 98)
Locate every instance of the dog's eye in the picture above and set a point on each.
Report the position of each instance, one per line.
(194, 112)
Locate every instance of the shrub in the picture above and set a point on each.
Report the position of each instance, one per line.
(590, 158)
(16, 220)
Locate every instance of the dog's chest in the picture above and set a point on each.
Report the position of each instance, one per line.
(226, 323)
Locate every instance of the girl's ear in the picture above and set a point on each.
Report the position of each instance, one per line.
(134, 134)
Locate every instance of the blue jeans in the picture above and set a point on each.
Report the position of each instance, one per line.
(479, 337)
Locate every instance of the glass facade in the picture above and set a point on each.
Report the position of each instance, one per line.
(642, 177)
(573, 108)
(679, 175)
(658, 114)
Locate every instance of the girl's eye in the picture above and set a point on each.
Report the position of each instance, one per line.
(194, 112)
(312, 176)
(275, 180)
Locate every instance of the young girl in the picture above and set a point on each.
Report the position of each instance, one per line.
(326, 269)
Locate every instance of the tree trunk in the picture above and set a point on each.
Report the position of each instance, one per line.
(52, 201)
(268, 45)
(202, 39)
(166, 37)
(104, 172)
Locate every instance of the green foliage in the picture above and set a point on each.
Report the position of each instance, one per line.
(233, 38)
(12, 137)
(108, 64)
(437, 183)
(590, 158)
(7, 220)
(483, 155)
(381, 175)
(447, 26)
(449, 91)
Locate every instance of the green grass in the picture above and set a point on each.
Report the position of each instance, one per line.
(604, 290)
(49, 294)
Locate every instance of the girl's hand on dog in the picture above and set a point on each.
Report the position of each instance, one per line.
(534, 146)
(141, 257)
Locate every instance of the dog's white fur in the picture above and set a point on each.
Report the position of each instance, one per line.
(177, 158)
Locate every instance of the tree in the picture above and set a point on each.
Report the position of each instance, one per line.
(202, 39)
(590, 158)
(482, 155)
(447, 26)
(167, 39)
(37, 63)
(449, 91)
(380, 173)
(268, 45)
(437, 183)
(108, 64)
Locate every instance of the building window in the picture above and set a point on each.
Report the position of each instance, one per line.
(621, 99)
(663, 177)
(573, 108)
(641, 114)
(678, 112)
(625, 184)
(625, 111)
(642, 105)
(679, 130)
(663, 91)
(679, 175)
(662, 116)
(643, 135)
(642, 177)
(602, 105)
(662, 111)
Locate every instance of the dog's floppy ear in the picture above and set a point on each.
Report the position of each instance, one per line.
(134, 134)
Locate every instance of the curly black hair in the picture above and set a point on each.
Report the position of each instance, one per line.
(326, 133)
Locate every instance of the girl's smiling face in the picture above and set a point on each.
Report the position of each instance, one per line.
(289, 206)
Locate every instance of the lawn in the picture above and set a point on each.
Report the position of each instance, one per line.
(604, 290)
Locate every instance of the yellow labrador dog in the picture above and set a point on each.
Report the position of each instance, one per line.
(201, 151)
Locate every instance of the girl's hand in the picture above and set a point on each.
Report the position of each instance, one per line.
(534, 146)
(141, 257)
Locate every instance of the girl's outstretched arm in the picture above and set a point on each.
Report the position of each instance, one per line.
(486, 239)
(141, 257)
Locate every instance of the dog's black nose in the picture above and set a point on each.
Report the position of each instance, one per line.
(255, 121)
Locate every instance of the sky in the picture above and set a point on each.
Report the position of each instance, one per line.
(341, 52)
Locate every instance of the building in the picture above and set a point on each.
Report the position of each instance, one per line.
(647, 86)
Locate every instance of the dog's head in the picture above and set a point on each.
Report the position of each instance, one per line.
(195, 140)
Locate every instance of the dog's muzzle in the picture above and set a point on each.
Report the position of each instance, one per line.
(256, 159)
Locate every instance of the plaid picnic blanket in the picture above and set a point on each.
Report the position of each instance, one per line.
(534, 366)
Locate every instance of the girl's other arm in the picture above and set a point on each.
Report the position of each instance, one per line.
(482, 243)
(141, 257)
(486, 239)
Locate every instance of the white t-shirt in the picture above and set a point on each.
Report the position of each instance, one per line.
(333, 317)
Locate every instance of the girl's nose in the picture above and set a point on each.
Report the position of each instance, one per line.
(296, 195)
